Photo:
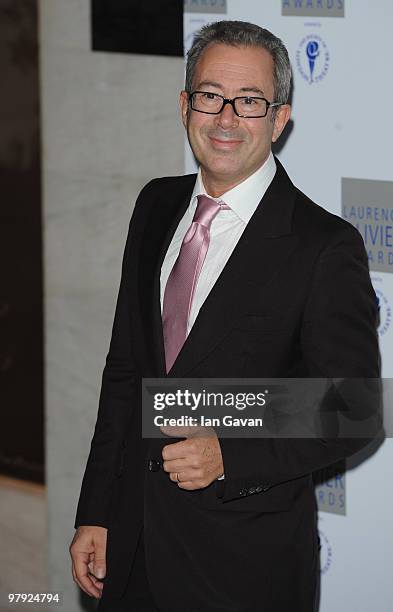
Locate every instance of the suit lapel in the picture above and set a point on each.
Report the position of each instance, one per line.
(164, 215)
(264, 246)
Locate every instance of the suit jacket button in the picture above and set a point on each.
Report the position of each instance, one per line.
(154, 465)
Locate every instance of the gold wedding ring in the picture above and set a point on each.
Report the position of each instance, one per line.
(177, 476)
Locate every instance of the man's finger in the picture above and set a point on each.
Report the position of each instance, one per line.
(178, 450)
(76, 580)
(186, 476)
(88, 587)
(82, 577)
(80, 585)
(178, 465)
(93, 578)
(97, 583)
(74, 574)
(191, 485)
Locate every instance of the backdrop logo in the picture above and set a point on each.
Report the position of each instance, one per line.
(325, 553)
(330, 489)
(313, 58)
(205, 6)
(313, 8)
(384, 309)
(368, 205)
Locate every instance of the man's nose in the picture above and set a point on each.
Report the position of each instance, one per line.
(227, 118)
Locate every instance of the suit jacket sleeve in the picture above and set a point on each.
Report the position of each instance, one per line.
(338, 339)
(116, 402)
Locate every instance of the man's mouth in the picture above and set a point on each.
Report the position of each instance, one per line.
(225, 144)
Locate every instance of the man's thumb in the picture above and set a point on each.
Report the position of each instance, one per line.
(99, 571)
(99, 566)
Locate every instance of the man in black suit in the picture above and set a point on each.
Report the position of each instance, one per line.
(283, 290)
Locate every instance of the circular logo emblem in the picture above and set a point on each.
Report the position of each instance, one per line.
(313, 58)
(325, 552)
(385, 313)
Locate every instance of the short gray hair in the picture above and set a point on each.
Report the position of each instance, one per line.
(243, 34)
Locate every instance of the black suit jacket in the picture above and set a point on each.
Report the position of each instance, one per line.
(294, 300)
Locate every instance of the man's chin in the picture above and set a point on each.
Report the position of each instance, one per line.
(224, 168)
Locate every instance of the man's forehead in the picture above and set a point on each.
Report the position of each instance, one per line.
(243, 66)
(235, 70)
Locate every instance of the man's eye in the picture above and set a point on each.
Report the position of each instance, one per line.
(209, 96)
(249, 101)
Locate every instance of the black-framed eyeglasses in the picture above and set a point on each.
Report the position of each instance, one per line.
(249, 107)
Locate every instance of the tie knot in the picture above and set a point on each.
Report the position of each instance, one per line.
(206, 210)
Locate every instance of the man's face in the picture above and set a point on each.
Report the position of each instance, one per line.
(230, 148)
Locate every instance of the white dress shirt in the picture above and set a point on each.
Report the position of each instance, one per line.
(225, 231)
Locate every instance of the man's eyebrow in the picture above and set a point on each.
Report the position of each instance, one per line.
(251, 89)
(209, 84)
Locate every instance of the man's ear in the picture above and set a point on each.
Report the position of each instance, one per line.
(283, 114)
(184, 107)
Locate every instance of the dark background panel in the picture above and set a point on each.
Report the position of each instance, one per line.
(21, 302)
(152, 27)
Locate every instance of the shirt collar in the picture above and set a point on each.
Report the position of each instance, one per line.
(245, 197)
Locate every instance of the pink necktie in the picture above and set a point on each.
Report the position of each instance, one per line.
(182, 280)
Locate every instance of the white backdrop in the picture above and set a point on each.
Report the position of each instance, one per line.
(342, 128)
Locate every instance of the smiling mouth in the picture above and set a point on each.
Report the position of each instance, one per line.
(224, 143)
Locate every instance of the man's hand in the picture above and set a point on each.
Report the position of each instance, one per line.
(193, 463)
(87, 550)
